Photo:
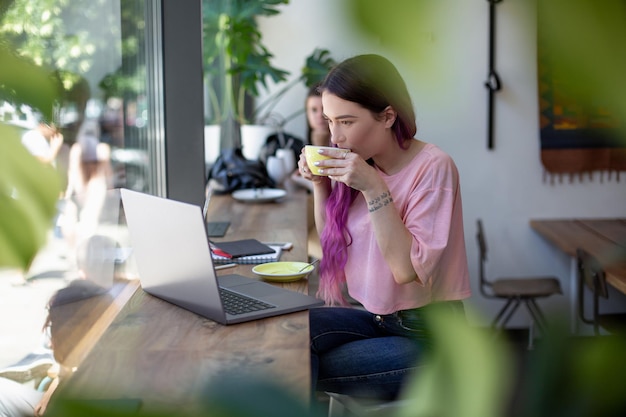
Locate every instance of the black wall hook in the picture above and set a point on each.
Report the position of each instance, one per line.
(493, 83)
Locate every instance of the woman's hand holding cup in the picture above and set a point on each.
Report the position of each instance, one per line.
(314, 156)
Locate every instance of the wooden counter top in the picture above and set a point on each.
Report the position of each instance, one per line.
(165, 356)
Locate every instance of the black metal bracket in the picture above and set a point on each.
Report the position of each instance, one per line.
(493, 83)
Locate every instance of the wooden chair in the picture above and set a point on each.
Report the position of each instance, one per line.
(591, 276)
(515, 290)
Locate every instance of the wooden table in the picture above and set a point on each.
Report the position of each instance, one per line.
(165, 355)
(603, 238)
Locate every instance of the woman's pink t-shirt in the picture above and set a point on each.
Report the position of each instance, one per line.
(427, 195)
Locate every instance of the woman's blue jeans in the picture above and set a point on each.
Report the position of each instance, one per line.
(358, 353)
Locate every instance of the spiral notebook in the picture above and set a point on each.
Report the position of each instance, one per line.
(252, 259)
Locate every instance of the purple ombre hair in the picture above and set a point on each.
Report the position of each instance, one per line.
(374, 83)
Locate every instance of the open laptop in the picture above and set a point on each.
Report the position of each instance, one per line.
(174, 260)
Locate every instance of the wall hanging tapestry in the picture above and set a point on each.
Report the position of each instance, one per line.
(582, 87)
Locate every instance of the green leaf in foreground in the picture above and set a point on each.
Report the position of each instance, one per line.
(28, 194)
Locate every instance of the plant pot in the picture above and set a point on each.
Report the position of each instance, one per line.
(211, 143)
(253, 137)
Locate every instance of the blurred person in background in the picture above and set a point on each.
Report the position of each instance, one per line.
(89, 177)
(17, 395)
(44, 142)
(318, 132)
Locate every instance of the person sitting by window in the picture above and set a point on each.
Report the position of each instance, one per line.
(391, 227)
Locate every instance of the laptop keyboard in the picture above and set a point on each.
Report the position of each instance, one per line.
(217, 229)
(239, 304)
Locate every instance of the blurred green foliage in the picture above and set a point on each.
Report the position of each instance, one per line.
(22, 82)
(28, 194)
(469, 375)
(39, 31)
(573, 376)
(28, 189)
(41, 66)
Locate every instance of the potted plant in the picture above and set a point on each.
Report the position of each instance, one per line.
(236, 61)
(315, 68)
(263, 121)
(237, 65)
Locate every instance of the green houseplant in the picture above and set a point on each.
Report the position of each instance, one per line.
(237, 65)
(264, 121)
(316, 65)
(236, 62)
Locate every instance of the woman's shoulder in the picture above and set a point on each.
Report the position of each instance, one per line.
(432, 165)
(432, 154)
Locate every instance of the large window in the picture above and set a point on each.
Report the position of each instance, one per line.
(104, 53)
(109, 58)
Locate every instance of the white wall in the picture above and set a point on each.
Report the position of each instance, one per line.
(445, 68)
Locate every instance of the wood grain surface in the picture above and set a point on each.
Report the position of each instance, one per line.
(149, 349)
(603, 238)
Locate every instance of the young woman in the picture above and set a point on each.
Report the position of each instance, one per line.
(317, 126)
(390, 221)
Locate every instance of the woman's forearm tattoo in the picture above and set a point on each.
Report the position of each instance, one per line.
(379, 202)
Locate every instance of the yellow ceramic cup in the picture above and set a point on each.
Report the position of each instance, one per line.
(312, 156)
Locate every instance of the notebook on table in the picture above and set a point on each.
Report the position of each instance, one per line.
(274, 256)
(174, 260)
(243, 247)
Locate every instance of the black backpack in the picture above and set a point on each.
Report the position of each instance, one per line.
(232, 171)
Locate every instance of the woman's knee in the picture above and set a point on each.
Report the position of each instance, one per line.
(333, 327)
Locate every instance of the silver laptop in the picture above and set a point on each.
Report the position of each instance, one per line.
(174, 261)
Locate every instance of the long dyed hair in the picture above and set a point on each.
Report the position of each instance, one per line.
(374, 83)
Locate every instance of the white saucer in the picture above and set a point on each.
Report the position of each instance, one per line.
(258, 195)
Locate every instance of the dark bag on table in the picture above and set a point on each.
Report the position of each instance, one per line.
(232, 171)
